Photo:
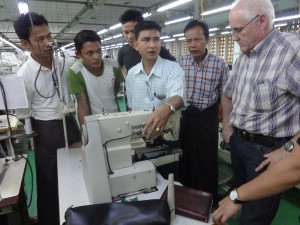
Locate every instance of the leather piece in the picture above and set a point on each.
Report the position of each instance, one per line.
(149, 212)
(191, 203)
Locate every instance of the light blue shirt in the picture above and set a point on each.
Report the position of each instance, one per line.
(165, 80)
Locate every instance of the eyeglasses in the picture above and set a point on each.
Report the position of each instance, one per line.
(239, 30)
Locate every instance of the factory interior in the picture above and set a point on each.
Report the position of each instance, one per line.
(79, 178)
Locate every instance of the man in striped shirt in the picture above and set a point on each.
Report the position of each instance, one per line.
(205, 76)
(264, 94)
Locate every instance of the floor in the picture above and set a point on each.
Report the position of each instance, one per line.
(288, 213)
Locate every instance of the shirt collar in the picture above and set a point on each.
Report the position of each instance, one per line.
(203, 61)
(265, 42)
(155, 70)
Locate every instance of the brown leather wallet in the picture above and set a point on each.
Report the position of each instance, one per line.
(191, 203)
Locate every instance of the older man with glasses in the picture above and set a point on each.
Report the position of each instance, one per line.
(205, 76)
(263, 92)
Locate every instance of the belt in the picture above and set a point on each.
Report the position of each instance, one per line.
(260, 139)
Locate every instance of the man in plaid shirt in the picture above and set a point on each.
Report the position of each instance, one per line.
(263, 91)
(205, 76)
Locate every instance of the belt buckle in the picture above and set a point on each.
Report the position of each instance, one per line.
(245, 134)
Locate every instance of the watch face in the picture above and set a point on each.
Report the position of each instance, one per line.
(289, 146)
(233, 195)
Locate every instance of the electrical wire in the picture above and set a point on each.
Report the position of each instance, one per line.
(110, 172)
(31, 192)
(41, 59)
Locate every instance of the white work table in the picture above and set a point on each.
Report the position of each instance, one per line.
(72, 190)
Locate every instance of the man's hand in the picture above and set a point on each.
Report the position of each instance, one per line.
(227, 131)
(157, 121)
(272, 158)
(226, 210)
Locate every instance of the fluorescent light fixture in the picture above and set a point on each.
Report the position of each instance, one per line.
(280, 25)
(164, 37)
(225, 8)
(10, 44)
(212, 35)
(117, 35)
(228, 27)
(169, 40)
(102, 31)
(172, 5)
(106, 39)
(23, 7)
(226, 32)
(287, 18)
(145, 15)
(115, 26)
(178, 35)
(178, 20)
(182, 38)
(213, 29)
(113, 45)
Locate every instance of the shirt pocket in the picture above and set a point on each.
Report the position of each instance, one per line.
(262, 96)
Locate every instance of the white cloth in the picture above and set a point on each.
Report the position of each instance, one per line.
(43, 108)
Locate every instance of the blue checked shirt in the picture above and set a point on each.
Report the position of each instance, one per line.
(265, 87)
(204, 83)
(166, 79)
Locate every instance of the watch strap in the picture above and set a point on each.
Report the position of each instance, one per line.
(171, 107)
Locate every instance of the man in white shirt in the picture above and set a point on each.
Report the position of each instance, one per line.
(154, 77)
(43, 96)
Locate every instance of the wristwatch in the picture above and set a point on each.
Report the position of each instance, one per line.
(234, 196)
(171, 107)
(288, 146)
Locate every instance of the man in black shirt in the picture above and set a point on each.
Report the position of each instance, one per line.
(128, 56)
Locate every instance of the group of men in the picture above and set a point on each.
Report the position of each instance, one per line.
(260, 99)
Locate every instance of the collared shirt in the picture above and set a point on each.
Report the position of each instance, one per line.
(265, 87)
(204, 83)
(129, 57)
(43, 108)
(165, 80)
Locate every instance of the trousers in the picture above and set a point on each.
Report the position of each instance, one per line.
(245, 157)
(50, 137)
(198, 166)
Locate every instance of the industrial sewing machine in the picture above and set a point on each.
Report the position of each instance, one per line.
(107, 154)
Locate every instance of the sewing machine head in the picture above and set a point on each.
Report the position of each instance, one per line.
(107, 154)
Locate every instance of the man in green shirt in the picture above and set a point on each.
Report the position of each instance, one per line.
(94, 81)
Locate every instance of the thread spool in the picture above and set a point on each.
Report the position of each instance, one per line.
(28, 128)
(171, 195)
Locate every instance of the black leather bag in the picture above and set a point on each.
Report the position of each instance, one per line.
(149, 212)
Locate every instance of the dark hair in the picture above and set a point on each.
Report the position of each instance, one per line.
(85, 36)
(131, 15)
(195, 23)
(146, 25)
(23, 26)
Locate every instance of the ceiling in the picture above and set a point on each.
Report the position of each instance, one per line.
(68, 17)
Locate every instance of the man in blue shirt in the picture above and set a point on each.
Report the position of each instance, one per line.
(154, 83)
